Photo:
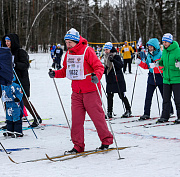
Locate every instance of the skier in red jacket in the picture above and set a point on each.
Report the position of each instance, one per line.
(79, 62)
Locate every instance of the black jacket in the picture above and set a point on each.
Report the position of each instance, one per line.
(21, 62)
(111, 79)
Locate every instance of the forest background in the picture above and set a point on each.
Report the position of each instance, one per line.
(45, 22)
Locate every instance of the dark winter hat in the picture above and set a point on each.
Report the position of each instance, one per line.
(72, 35)
(168, 37)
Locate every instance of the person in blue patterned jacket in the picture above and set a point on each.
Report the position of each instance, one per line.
(12, 96)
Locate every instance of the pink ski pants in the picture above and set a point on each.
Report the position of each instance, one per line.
(91, 103)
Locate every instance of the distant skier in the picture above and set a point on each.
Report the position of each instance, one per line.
(52, 49)
(57, 56)
(127, 51)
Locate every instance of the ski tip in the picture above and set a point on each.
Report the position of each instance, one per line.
(49, 158)
(12, 160)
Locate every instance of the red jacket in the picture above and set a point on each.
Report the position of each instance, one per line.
(91, 65)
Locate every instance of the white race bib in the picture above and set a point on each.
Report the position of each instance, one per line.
(126, 49)
(75, 66)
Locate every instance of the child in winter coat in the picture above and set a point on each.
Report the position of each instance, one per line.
(12, 96)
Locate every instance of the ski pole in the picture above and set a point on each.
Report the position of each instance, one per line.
(108, 119)
(155, 85)
(28, 122)
(118, 86)
(25, 95)
(61, 101)
(5, 149)
(106, 95)
(156, 91)
(134, 85)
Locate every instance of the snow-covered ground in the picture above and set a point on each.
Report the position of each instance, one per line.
(157, 154)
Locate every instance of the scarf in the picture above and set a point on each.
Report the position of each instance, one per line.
(107, 61)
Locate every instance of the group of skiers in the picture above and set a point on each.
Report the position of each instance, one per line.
(82, 66)
(164, 72)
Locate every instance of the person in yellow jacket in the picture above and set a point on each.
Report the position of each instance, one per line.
(127, 51)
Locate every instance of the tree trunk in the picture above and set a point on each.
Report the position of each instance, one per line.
(120, 21)
(175, 20)
(2, 17)
(147, 19)
(135, 21)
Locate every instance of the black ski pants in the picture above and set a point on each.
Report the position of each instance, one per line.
(122, 97)
(167, 92)
(127, 61)
(149, 95)
(14, 126)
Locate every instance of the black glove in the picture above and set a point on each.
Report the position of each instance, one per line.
(94, 78)
(111, 59)
(51, 73)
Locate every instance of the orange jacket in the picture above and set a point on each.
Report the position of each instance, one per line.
(127, 50)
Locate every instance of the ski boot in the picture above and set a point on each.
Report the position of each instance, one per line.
(127, 114)
(144, 117)
(177, 121)
(72, 151)
(16, 135)
(109, 114)
(103, 147)
(162, 120)
(7, 134)
(35, 123)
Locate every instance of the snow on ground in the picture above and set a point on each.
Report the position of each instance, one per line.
(156, 155)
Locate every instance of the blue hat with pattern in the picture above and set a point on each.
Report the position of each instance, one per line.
(108, 45)
(72, 35)
(7, 38)
(167, 37)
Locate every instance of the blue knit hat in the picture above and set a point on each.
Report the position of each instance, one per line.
(167, 37)
(72, 35)
(108, 45)
(7, 38)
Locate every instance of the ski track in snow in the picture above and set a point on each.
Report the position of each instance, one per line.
(156, 155)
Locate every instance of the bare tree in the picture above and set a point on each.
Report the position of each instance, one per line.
(175, 19)
(2, 16)
(120, 21)
(148, 2)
